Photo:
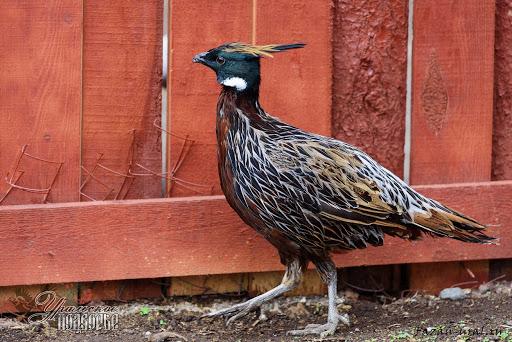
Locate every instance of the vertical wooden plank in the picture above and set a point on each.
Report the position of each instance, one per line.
(198, 26)
(40, 91)
(297, 85)
(502, 139)
(369, 62)
(121, 93)
(502, 120)
(452, 109)
(452, 91)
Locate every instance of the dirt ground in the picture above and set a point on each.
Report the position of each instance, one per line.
(484, 315)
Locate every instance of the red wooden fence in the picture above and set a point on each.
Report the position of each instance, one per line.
(451, 138)
(81, 86)
(202, 235)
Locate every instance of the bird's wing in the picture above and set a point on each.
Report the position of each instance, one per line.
(351, 187)
(345, 187)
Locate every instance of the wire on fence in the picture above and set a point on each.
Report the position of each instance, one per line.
(130, 173)
(13, 178)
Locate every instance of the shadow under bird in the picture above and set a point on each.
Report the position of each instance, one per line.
(307, 194)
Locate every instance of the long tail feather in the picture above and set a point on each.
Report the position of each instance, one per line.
(452, 224)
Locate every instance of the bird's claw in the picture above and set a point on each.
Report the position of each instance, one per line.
(235, 312)
(344, 319)
(323, 330)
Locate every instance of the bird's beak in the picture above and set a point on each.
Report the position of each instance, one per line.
(199, 58)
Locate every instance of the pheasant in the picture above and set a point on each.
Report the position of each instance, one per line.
(307, 194)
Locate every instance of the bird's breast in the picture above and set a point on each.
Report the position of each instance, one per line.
(239, 158)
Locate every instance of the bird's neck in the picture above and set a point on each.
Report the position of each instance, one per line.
(231, 101)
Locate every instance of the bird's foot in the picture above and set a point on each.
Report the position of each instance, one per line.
(236, 311)
(323, 330)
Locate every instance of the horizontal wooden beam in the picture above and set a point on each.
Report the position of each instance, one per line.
(70, 242)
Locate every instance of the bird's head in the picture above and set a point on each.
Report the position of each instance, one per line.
(237, 65)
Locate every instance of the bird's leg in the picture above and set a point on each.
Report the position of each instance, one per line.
(291, 280)
(327, 271)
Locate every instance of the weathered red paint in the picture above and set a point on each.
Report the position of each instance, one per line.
(502, 139)
(451, 109)
(369, 56)
(452, 91)
(202, 235)
(122, 92)
(40, 96)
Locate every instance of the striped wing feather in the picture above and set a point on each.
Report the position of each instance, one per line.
(352, 188)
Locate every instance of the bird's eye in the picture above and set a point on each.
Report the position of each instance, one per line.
(220, 60)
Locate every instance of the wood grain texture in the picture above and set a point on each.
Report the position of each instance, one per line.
(40, 91)
(369, 69)
(122, 92)
(502, 139)
(461, 274)
(452, 108)
(296, 85)
(131, 239)
(208, 284)
(192, 88)
(119, 290)
(452, 91)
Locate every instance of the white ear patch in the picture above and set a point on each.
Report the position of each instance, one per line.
(237, 82)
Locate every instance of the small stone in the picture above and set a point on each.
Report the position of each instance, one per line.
(351, 295)
(7, 323)
(165, 335)
(345, 307)
(297, 310)
(483, 288)
(504, 290)
(477, 295)
(147, 334)
(38, 326)
(453, 293)
(262, 317)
